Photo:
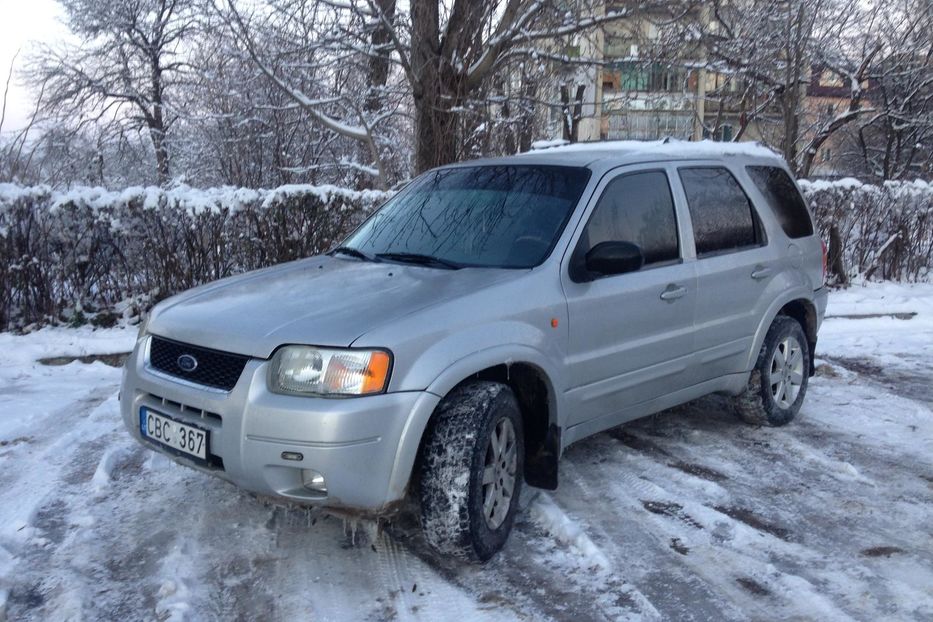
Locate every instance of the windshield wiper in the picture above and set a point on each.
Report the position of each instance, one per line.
(420, 259)
(354, 252)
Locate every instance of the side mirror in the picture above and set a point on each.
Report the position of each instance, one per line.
(614, 258)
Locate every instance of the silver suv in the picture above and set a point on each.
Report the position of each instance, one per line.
(486, 317)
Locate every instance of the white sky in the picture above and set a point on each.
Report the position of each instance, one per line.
(23, 22)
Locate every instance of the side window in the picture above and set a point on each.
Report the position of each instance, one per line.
(722, 215)
(783, 199)
(637, 208)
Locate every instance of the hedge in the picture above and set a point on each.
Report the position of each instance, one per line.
(93, 254)
(90, 254)
(875, 232)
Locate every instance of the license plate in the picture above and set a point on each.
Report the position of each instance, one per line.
(187, 439)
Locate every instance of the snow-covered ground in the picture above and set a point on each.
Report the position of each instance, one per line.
(684, 515)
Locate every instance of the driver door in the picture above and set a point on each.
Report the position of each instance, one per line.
(630, 335)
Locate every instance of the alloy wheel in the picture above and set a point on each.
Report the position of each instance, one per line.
(499, 473)
(786, 372)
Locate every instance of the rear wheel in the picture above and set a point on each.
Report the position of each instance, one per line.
(471, 471)
(778, 382)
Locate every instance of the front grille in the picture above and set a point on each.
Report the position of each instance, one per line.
(214, 368)
(170, 406)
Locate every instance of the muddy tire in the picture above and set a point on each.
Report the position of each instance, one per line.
(778, 382)
(471, 471)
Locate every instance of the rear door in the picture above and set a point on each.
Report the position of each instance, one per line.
(734, 266)
(630, 335)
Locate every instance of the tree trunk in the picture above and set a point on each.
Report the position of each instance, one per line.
(835, 261)
(435, 132)
(572, 112)
(508, 143)
(527, 126)
(379, 63)
(156, 123)
(435, 123)
(157, 133)
(789, 104)
(791, 95)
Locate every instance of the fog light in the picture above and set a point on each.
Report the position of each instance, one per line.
(313, 480)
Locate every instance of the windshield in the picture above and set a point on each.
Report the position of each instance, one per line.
(490, 216)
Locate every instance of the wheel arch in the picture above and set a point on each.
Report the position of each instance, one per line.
(525, 373)
(799, 307)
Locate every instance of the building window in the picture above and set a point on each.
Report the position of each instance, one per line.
(828, 78)
(653, 77)
(645, 125)
(620, 47)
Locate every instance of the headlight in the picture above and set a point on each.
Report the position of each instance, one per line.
(306, 370)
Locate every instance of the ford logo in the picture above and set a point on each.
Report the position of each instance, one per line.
(187, 363)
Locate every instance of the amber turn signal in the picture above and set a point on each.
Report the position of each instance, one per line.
(376, 374)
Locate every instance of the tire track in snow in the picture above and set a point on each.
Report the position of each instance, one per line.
(571, 532)
(533, 578)
(106, 522)
(66, 513)
(50, 448)
(48, 456)
(801, 564)
(396, 573)
(650, 563)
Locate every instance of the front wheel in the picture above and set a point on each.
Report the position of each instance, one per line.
(778, 382)
(471, 471)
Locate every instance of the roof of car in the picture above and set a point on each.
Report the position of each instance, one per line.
(620, 152)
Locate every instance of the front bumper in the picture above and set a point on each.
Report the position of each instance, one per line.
(364, 447)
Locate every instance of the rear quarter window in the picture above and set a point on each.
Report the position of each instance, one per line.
(783, 198)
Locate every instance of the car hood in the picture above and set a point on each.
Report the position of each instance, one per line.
(325, 301)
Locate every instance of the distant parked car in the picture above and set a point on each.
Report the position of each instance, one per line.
(486, 317)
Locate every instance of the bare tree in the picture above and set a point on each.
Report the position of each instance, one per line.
(364, 92)
(456, 47)
(321, 43)
(131, 58)
(769, 53)
(17, 152)
(896, 140)
(451, 55)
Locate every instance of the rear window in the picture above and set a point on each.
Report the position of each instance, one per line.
(784, 199)
(722, 215)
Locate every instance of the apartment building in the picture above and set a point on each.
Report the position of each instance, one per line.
(631, 96)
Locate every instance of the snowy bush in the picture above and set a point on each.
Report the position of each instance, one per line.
(883, 232)
(89, 252)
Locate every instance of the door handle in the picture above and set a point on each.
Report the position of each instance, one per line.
(761, 272)
(673, 292)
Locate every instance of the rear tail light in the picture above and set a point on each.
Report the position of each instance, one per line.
(825, 259)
